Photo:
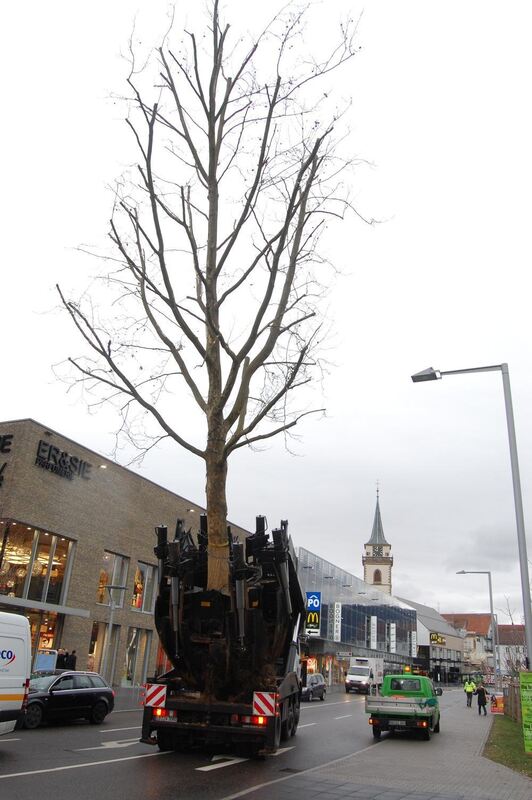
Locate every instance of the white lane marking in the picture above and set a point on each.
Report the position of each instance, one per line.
(306, 725)
(109, 745)
(79, 766)
(117, 730)
(9, 740)
(224, 761)
(289, 777)
(283, 750)
(344, 716)
(328, 705)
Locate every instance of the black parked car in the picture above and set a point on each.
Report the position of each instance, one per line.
(66, 694)
(315, 687)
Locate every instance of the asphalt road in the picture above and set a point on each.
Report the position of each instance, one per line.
(77, 759)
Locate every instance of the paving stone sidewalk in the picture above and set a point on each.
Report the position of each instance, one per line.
(449, 767)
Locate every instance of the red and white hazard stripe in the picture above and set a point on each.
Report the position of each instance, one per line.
(264, 703)
(155, 695)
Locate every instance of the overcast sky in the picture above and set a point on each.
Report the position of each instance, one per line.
(441, 111)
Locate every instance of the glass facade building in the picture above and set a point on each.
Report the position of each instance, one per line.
(356, 619)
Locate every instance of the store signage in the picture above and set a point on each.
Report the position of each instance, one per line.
(437, 638)
(337, 622)
(61, 463)
(313, 620)
(6, 440)
(373, 633)
(393, 637)
(413, 652)
(525, 688)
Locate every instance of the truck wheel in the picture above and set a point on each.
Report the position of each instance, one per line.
(277, 737)
(297, 712)
(165, 740)
(288, 725)
(437, 727)
(376, 732)
(426, 735)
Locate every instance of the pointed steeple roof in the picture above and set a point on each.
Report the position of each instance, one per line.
(377, 533)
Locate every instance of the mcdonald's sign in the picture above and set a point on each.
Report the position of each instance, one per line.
(313, 620)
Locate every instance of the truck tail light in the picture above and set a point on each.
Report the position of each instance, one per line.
(254, 719)
(164, 712)
(373, 721)
(422, 723)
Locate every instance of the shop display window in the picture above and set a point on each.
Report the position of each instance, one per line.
(113, 572)
(33, 563)
(137, 654)
(143, 587)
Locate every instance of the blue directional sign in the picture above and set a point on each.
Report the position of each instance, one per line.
(313, 620)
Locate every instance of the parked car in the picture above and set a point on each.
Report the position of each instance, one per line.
(67, 694)
(315, 687)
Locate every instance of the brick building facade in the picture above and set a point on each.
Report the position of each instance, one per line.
(73, 522)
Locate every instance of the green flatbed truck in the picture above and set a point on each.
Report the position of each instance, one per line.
(406, 703)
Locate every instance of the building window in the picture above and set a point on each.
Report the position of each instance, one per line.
(143, 588)
(377, 576)
(138, 647)
(34, 563)
(113, 572)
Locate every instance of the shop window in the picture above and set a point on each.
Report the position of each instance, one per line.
(138, 647)
(33, 563)
(143, 588)
(113, 572)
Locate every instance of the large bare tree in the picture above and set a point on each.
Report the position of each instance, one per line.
(216, 280)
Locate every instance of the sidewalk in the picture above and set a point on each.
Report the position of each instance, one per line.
(449, 767)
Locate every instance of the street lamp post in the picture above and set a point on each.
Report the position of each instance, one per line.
(110, 587)
(431, 374)
(494, 630)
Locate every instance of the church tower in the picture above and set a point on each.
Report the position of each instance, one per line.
(377, 560)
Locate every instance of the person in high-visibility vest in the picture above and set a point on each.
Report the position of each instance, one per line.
(469, 689)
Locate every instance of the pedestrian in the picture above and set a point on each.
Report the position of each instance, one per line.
(482, 698)
(71, 660)
(469, 689)
(60, 662)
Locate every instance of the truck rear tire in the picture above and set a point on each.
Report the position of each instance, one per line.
(437, 727)
(376, 732)
(297, 713)
(165, 740)
(287, 727)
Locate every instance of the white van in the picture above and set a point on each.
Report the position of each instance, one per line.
(15, 667)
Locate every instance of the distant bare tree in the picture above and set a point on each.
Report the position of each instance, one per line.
(217, 279)
(513, 658)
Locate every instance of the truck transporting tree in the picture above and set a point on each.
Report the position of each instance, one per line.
(235, 657)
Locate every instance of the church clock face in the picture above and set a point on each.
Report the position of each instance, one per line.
(377, 550)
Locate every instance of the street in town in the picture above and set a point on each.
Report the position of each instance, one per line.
(332, 756)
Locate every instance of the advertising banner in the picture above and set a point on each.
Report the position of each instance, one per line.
(373, 633)
(497, 704)
(313, 619)
(525, 686)
(337, 622)
(393, 637)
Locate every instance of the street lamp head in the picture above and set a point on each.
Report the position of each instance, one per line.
(462, 572)
(429, 374)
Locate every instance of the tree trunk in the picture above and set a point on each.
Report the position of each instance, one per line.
(218, 548)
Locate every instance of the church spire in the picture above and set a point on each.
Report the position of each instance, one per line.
(377, 533)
